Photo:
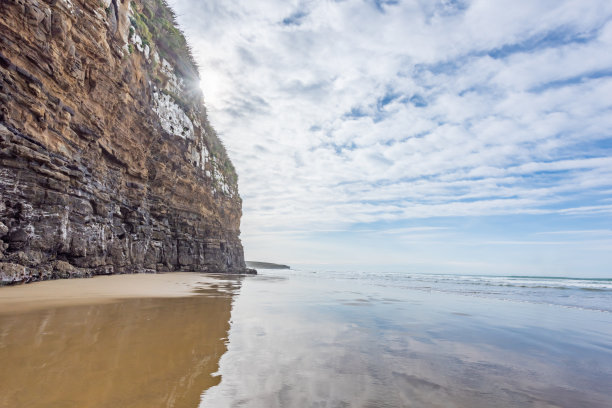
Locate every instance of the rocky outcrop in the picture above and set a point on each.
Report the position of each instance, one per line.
(107, 161)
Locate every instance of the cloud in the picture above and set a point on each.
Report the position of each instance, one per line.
(347, 112)
(296, 18)
(579, 233)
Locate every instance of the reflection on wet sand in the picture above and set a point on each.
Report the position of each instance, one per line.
(305, 341)
(136, 352)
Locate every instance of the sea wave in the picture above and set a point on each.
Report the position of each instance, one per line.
(574, 293)
(519, 282)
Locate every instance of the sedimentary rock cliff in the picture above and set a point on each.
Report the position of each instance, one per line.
(107, 161)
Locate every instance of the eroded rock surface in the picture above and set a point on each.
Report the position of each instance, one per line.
(107, 161)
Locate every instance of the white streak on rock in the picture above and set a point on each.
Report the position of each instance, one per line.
(173, 119)
(174, 84)
(204, 158)
(137, 41)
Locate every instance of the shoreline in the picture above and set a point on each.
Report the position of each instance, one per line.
(105, 289)
(17, 274)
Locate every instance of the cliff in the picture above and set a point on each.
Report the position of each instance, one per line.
(108, 163)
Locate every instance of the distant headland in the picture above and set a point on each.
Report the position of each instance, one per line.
(266, 265)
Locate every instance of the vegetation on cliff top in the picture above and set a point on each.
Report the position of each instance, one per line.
(156, 23)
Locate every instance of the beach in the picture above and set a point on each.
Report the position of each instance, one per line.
(311, 204)
(306, 338)
(315, 338)
(113, 341)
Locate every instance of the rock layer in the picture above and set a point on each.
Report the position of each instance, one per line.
(108, 163)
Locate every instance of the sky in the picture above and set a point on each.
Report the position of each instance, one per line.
(444, 136)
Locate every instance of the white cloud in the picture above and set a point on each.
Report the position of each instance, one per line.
(352, 115)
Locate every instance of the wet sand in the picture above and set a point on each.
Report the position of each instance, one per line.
(303, 339)
(295, 339)
(116, 341)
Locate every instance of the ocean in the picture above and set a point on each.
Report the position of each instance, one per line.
(579, 293)
(314, 338)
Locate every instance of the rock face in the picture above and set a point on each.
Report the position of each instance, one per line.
(108, 163)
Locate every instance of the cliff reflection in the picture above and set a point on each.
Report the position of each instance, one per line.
(158, 352)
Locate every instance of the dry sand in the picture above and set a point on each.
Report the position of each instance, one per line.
(102, 289)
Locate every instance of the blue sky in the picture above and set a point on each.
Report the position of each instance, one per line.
(436, 136)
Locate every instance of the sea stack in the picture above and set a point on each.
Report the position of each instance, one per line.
(108, 163)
